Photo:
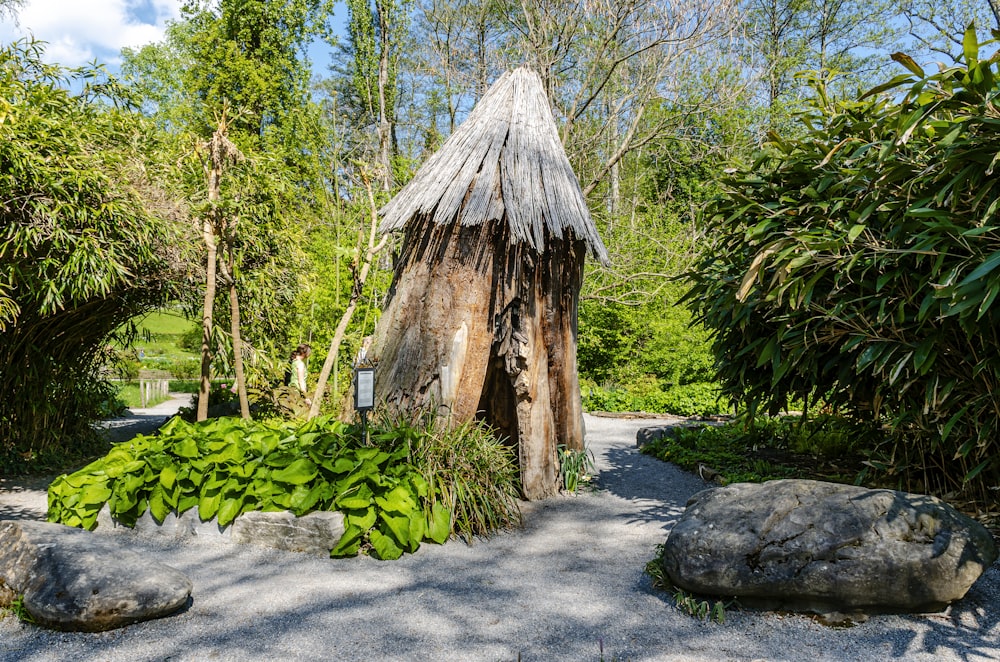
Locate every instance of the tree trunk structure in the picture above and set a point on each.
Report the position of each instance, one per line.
(481, 319)
(477, 333)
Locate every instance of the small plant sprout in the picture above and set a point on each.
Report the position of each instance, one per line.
(702, 609)
(575, 467)
(20, 611)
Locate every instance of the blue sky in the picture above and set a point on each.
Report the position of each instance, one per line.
(80, 31)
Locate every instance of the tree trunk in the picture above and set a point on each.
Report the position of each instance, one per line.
(477, 328)
(235, 326)
(384, 119)
(361, 276)
(208, 234)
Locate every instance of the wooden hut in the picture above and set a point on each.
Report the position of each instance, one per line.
(481, 319)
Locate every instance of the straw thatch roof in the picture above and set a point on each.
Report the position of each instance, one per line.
(504, 162)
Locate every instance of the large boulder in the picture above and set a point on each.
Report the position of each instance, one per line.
(815, 546)
(71, 579)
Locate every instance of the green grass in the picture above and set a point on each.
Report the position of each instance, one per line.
(129, 394)
(166, 323)
(160, 339)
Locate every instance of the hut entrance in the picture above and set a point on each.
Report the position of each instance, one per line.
(498, 406)
(481, 316)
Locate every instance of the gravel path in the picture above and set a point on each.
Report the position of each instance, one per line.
(568, 586)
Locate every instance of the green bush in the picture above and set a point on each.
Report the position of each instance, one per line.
(185, 368)
(184, 385)
(228, 466)
(860, 264)
(190, 340)
(769, 448)
(653, 396)
(624, 344)
(87, 244)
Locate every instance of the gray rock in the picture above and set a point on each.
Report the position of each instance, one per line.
(71, 579)
(174, 526)
(823, 547)
(316, 533)
(646, 436)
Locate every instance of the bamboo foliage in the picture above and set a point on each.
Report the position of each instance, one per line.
(861, 265)
(84, 247)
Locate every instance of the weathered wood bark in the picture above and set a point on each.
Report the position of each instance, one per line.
(436, 325)
(211, 250)
(481, 318)
(477, 331)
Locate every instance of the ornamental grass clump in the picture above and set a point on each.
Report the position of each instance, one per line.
(468, 469)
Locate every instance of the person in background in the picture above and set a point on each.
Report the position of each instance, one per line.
(297, 374)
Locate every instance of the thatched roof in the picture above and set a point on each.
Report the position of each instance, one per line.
(504, 162)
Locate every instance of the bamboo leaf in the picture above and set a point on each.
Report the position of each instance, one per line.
(909, 63)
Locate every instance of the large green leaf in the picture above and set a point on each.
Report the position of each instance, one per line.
(385, 546)
(439, 524)
(298, 472)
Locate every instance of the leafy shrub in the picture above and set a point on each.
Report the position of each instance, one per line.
(129, 369)
(861, 264)
(190, 340)
(652, 395)
(229, 466)
(700, 399)
(625, 343)
(769, 448)
(184, 385)
(185, 368)
(87, 244)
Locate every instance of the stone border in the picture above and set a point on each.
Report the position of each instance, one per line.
(315, 533)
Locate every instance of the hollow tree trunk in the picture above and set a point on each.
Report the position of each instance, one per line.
(474, 331)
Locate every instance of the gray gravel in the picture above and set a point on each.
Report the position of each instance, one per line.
(568, 586)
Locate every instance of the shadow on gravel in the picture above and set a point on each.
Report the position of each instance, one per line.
(971, 627)
(659, 489)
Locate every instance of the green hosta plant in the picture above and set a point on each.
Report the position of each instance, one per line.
(228, 466)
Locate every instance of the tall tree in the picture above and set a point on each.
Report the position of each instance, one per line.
(375, 35)
(937, 26)
(833, 37)
(234, 75)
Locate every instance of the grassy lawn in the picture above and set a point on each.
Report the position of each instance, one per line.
(166, 342)
(130, 396)
(167, 323)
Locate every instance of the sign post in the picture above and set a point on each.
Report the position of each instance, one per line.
(364, 395)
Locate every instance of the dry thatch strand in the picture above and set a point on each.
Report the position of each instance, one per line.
(504, 161)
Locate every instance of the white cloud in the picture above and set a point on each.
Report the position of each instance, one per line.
(79, 31)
